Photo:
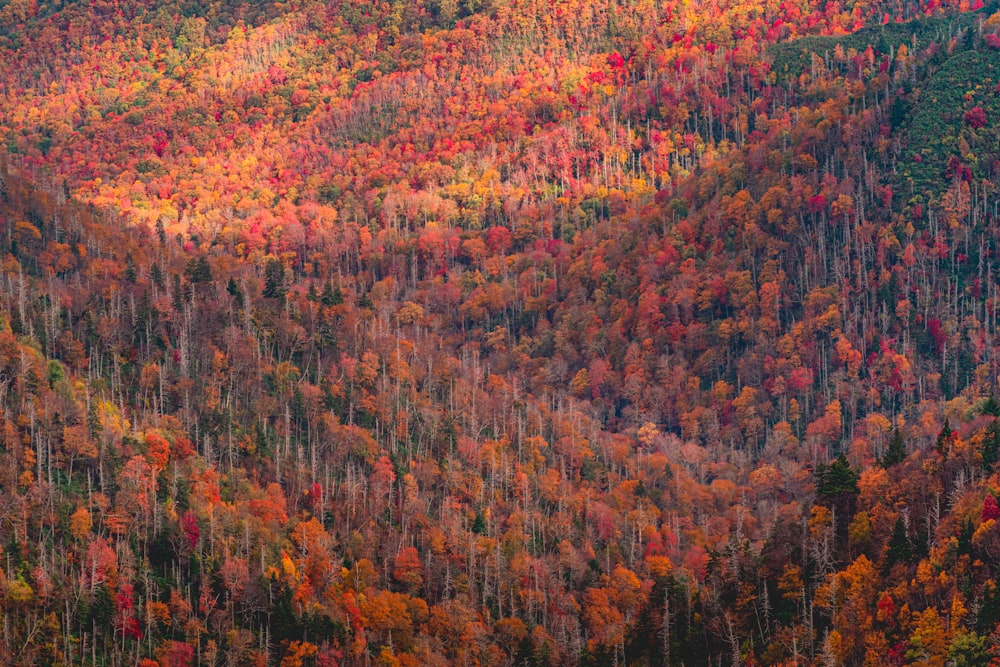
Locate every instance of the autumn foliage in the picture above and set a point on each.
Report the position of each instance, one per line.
(531, 333)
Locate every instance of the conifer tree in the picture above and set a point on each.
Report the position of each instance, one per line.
(900, 546)
(896, 452)
(274, 279)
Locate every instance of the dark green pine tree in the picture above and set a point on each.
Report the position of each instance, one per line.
(235, 292)
(944, 437)
(837, 478)
(274, 279)
(178, 294)
(198, 270)
(837, 488)
(479, 525)
(965, 534)
(156, 275)
(130, 271)
(991, 446)
(332, 296)
(896, 452)
(900, 546)
(327, 331)
(989, 608)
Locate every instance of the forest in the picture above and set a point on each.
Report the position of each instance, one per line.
(527, 333)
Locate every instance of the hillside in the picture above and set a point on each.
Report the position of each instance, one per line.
(530, 333)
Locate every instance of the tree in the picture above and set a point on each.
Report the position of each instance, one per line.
(991, 446)
(969, 649)
(233, 289)
(900, 548)
(837, 479)
(198, 270)
(895, 453)
(944, 437)
(331, 296)
(976, 118)
(991, 510)
(408, 570)
(991, 407)
(274, 279)
(928, 642)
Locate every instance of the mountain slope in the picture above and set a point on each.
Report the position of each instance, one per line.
(522, 334)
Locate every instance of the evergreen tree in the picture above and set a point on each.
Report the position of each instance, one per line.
(156, 275)
(130, 271)
(274, 279)
(837, 478)
(944, 437)
(991, 446)
(479, 525)
(234, 291)
(838, 489)
(965, 537)
(198, 270)
(989, 607)
(178, 295)
(332, 296)
(896, 452)
(900, 546)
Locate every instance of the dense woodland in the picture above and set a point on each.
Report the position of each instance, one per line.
(471, 332)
